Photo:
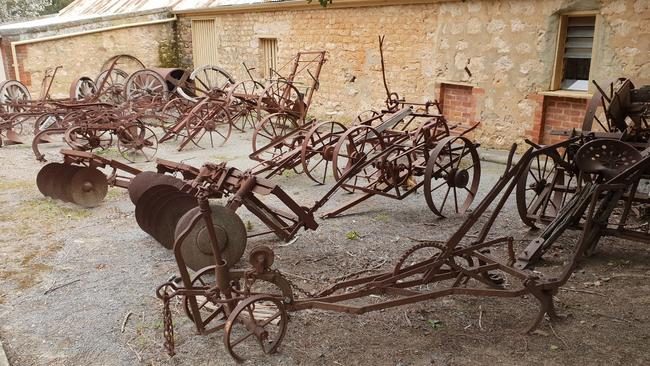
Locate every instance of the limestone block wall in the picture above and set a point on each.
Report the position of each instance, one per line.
(504, 48)
(84, 55)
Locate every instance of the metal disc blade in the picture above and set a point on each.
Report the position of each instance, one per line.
(196, 249)
(62, 180)
(169, 215)
(88, 187)
(144, 204)
(45, 178)
(155, 206)
(145, 180)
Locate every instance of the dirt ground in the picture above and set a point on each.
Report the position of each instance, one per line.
(71, 276)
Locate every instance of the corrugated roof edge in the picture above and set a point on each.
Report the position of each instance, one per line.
(279, 5)
(71, 23)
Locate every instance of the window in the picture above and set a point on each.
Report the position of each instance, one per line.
(574, 53)
(269, 48)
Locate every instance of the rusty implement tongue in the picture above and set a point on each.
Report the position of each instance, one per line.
(87, 187)
(196, 249)
(145, 180)
(45, 178)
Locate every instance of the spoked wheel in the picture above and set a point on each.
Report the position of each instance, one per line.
(146, 86)
(13, 96)
(123, 62)
(209, 310)
(257, 321)
(416, 256)
(205, 81)
(88, 139)
(356, 146)
(208, 125)
(397, 167)
(366, 116)
(174, 110)
(243, 98)
(274, 136)
(83, 88)
(282, 97)
(17, 121)
(111, 86)
(605, 109)
(318, 149)
(452, 176)
(543, 190)
(137, 143)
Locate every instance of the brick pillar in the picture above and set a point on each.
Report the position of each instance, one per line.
(537, 130)
(561, 114)
(460, 103)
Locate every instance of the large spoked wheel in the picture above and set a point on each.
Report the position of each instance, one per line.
(207, 81)
(123, 62)
(146, 85)
(282, 97)
(273, 136)
(88, 139)
(367, 117)
(111, 86)
(137, 143)
(354, 147)
(258, 321)
(542, 191)
(83, 88)
(173, 111)
(452, 176)
(318, 149)
(209, 310)
(243, 98)
(208, 125)
(17, 121)
(13, 96)
(599, 109)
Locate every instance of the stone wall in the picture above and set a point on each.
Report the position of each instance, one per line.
(505, 48)
(83, 55)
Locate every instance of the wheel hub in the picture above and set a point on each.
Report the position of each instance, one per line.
(458, 178)
(538, 186)
(328, 152)
(93, 142)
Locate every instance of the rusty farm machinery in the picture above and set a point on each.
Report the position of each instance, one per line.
(614, 134)
(217, 104)
(251, 305)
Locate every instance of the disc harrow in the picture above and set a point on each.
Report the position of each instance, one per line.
(79, 180)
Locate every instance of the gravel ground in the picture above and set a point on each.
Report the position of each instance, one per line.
(71, 276)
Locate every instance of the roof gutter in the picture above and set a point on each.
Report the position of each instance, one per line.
(77, 34)
(297, 5)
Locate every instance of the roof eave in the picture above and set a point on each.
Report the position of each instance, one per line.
(297, 5)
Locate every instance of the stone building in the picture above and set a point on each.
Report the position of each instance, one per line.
(519, 67)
